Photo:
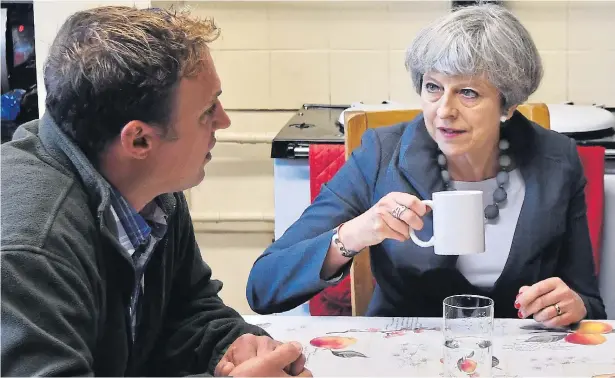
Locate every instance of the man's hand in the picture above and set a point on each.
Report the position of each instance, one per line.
(249, 352)
(551, 302)
(271, 364)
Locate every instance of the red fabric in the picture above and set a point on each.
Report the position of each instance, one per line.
(325, 160)
(592, 159)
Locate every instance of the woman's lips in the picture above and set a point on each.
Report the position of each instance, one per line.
(450, 132)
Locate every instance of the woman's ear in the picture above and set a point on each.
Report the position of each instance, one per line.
(510, 111)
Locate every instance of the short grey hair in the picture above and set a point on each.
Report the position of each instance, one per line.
(479, 39)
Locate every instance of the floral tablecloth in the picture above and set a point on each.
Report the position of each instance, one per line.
(361, 346)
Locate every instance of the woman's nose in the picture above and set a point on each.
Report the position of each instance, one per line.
(446, 107)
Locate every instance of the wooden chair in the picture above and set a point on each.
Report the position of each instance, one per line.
(356, 123)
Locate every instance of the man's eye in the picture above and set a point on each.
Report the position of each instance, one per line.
(211, 110)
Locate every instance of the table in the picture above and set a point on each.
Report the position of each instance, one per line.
(366, 346)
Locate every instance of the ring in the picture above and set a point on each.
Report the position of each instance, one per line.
(398, 211)
(557, 309)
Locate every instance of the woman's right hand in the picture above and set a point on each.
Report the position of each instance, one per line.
(379, 222)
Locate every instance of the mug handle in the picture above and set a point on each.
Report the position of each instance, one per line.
(415, 239)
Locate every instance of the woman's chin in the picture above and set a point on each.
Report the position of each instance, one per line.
(452, 151)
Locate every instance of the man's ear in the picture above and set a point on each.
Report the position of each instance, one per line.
(138, 139)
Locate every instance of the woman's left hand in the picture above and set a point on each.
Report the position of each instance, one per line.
(544, 298)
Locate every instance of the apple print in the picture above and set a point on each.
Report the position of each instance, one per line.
(593, 327)
(585, 338)
(589, 333)
(467, 365)
(333, 342)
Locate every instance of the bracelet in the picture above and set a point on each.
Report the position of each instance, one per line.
(336, 240)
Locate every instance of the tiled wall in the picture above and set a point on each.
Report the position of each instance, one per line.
(283, 54)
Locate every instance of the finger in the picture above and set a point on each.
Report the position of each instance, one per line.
(545, 314)
(521, 290)
(298, 366)
(560, 321)
(221, 364)
(537, 290)
(305, 373)
(243, 349)
(412, 219)
(265, 345)
(410, 201)
(393, 228)
(223, 369)
(284, 355)
(569, 314)
(412, 215)
(542, 302)
(227, 369)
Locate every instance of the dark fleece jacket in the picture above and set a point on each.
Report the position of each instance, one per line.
(66, 281)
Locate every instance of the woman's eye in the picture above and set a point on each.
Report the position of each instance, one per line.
(469, 93)
(431, 87)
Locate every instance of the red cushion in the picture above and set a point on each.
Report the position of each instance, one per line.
(592, 159)
(325, 160)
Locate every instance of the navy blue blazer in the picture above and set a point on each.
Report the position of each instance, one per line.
(551, 238)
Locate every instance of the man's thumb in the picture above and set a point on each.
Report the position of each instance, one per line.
(285, 354)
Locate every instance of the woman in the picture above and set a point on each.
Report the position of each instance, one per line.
(471, 68)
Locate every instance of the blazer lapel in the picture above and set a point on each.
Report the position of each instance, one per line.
(417, 159)
(531, 221)
(417, 173)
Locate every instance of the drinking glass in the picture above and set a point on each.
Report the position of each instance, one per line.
(468, 336)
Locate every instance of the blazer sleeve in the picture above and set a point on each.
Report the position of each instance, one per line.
(288, 273)
(576, 266)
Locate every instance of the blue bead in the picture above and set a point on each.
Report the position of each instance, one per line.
(502, 178)
(505, 161)
(445, 175)
(499, 195)
(441, 160)
(491, 212)
(504, 145)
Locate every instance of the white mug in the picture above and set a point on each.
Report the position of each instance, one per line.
(458, 223)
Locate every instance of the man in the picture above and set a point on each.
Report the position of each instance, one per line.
(101, 273)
